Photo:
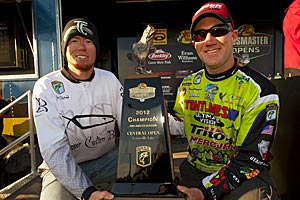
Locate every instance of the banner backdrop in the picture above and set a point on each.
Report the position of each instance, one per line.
(175, 57)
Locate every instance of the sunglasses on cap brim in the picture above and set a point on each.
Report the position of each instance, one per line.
(216, 31)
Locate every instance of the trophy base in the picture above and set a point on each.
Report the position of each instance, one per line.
(144, 191)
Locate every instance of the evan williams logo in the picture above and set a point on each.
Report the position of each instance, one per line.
(159, 54)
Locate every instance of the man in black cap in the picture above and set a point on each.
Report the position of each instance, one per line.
(76, 110)
(230, 115)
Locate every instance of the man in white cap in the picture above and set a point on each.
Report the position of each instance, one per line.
(230, 115)
(76, 110)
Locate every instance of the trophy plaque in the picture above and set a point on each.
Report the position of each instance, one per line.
(145, 165)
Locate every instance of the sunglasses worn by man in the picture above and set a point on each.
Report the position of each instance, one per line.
(216, 31)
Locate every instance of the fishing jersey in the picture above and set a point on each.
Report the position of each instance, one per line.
(75, 122)
(230, 122)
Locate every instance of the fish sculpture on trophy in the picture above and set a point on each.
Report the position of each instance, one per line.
(142, 48)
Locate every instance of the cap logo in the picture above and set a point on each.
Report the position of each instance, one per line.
(82, 27)
(211, 6)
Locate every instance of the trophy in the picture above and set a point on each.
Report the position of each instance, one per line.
(145, 165)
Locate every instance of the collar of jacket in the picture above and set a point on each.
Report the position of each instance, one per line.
(65, 73)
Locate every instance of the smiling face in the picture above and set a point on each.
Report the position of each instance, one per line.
(215, 52)
(81, 57)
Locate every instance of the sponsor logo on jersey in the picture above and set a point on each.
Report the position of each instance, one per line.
(271, 112)
(58, 87)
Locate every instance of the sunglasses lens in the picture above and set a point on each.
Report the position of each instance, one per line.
(200, 35)
(218, 32)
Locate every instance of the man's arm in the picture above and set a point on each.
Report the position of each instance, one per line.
(253, 145)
